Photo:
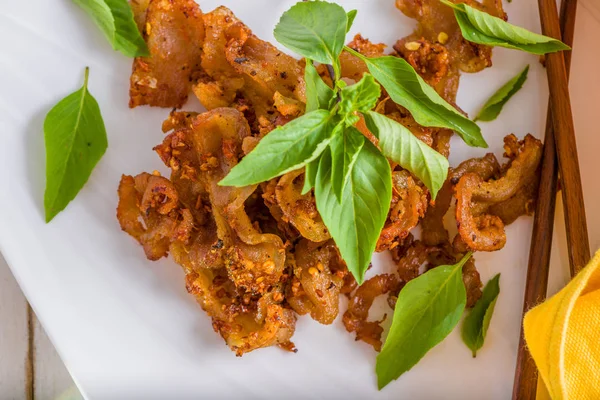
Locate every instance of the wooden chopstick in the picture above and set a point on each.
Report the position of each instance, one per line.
(526, 376)
(566, 147)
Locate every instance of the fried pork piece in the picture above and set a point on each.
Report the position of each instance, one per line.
(433, 232)
(355, 318)
(409, 202)
(174, 32)
(139, 7)
(288, 205)
(238, 65)
(317, 282)
(246, 323)
(149, 211)
(478, 227)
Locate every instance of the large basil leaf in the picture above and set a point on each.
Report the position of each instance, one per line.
(480, 27)
(314, 29)
(356, 223)
(408, 89)
(310, 175)
(284, 149)
(75, 139)
(345, 148)
(427, 310)
(401, 146)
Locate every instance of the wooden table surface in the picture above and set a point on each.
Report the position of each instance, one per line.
(30, 368)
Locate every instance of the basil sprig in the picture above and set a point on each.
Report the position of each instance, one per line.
(350, 175)
(115, 19)
(480, 27)
(494, 105)
(427, 310)
(75, 140)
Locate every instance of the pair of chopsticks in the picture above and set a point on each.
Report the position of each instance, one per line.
(559, 141)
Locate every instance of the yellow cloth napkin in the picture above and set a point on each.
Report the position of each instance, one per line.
(563, 337)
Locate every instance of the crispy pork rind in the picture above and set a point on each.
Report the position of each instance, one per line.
(478, 228)
(409, 202)
(139, 8)
(433, 231)
(149, 211)
(245, 322)
(238, 65)
(318, 277)
(298, 209)
(174, 32)
(355, 318)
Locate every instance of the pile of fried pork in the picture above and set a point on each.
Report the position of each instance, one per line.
(258, 256)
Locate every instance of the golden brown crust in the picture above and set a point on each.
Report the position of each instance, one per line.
(409, 202)
(479, 228)
(174, 33)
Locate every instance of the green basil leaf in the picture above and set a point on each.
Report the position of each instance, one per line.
(310, 174)
(494, 105)
(361, 97)
(480, 27)
(284, 149)
(313, 29)
(345, 147)
(351, 16)
(318, 94)
(356, 223)
(401, 146)
(476, 324)
(75, 139)
(115, 19)
(427, 310)
(408, 89)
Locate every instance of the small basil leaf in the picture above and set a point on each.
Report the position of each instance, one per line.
(75, 139)
(355, 225)
(318, 94)
(344, 152)
(351, 16)
(284, 149)
(313, 29)
(401, 146)
(427, 310)
(310, 175)
(480, 27)
(408, 89)
(476, 324)
(494, 105)
(361, 97)
(115, 19)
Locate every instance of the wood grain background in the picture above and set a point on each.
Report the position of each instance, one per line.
(30, 368)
